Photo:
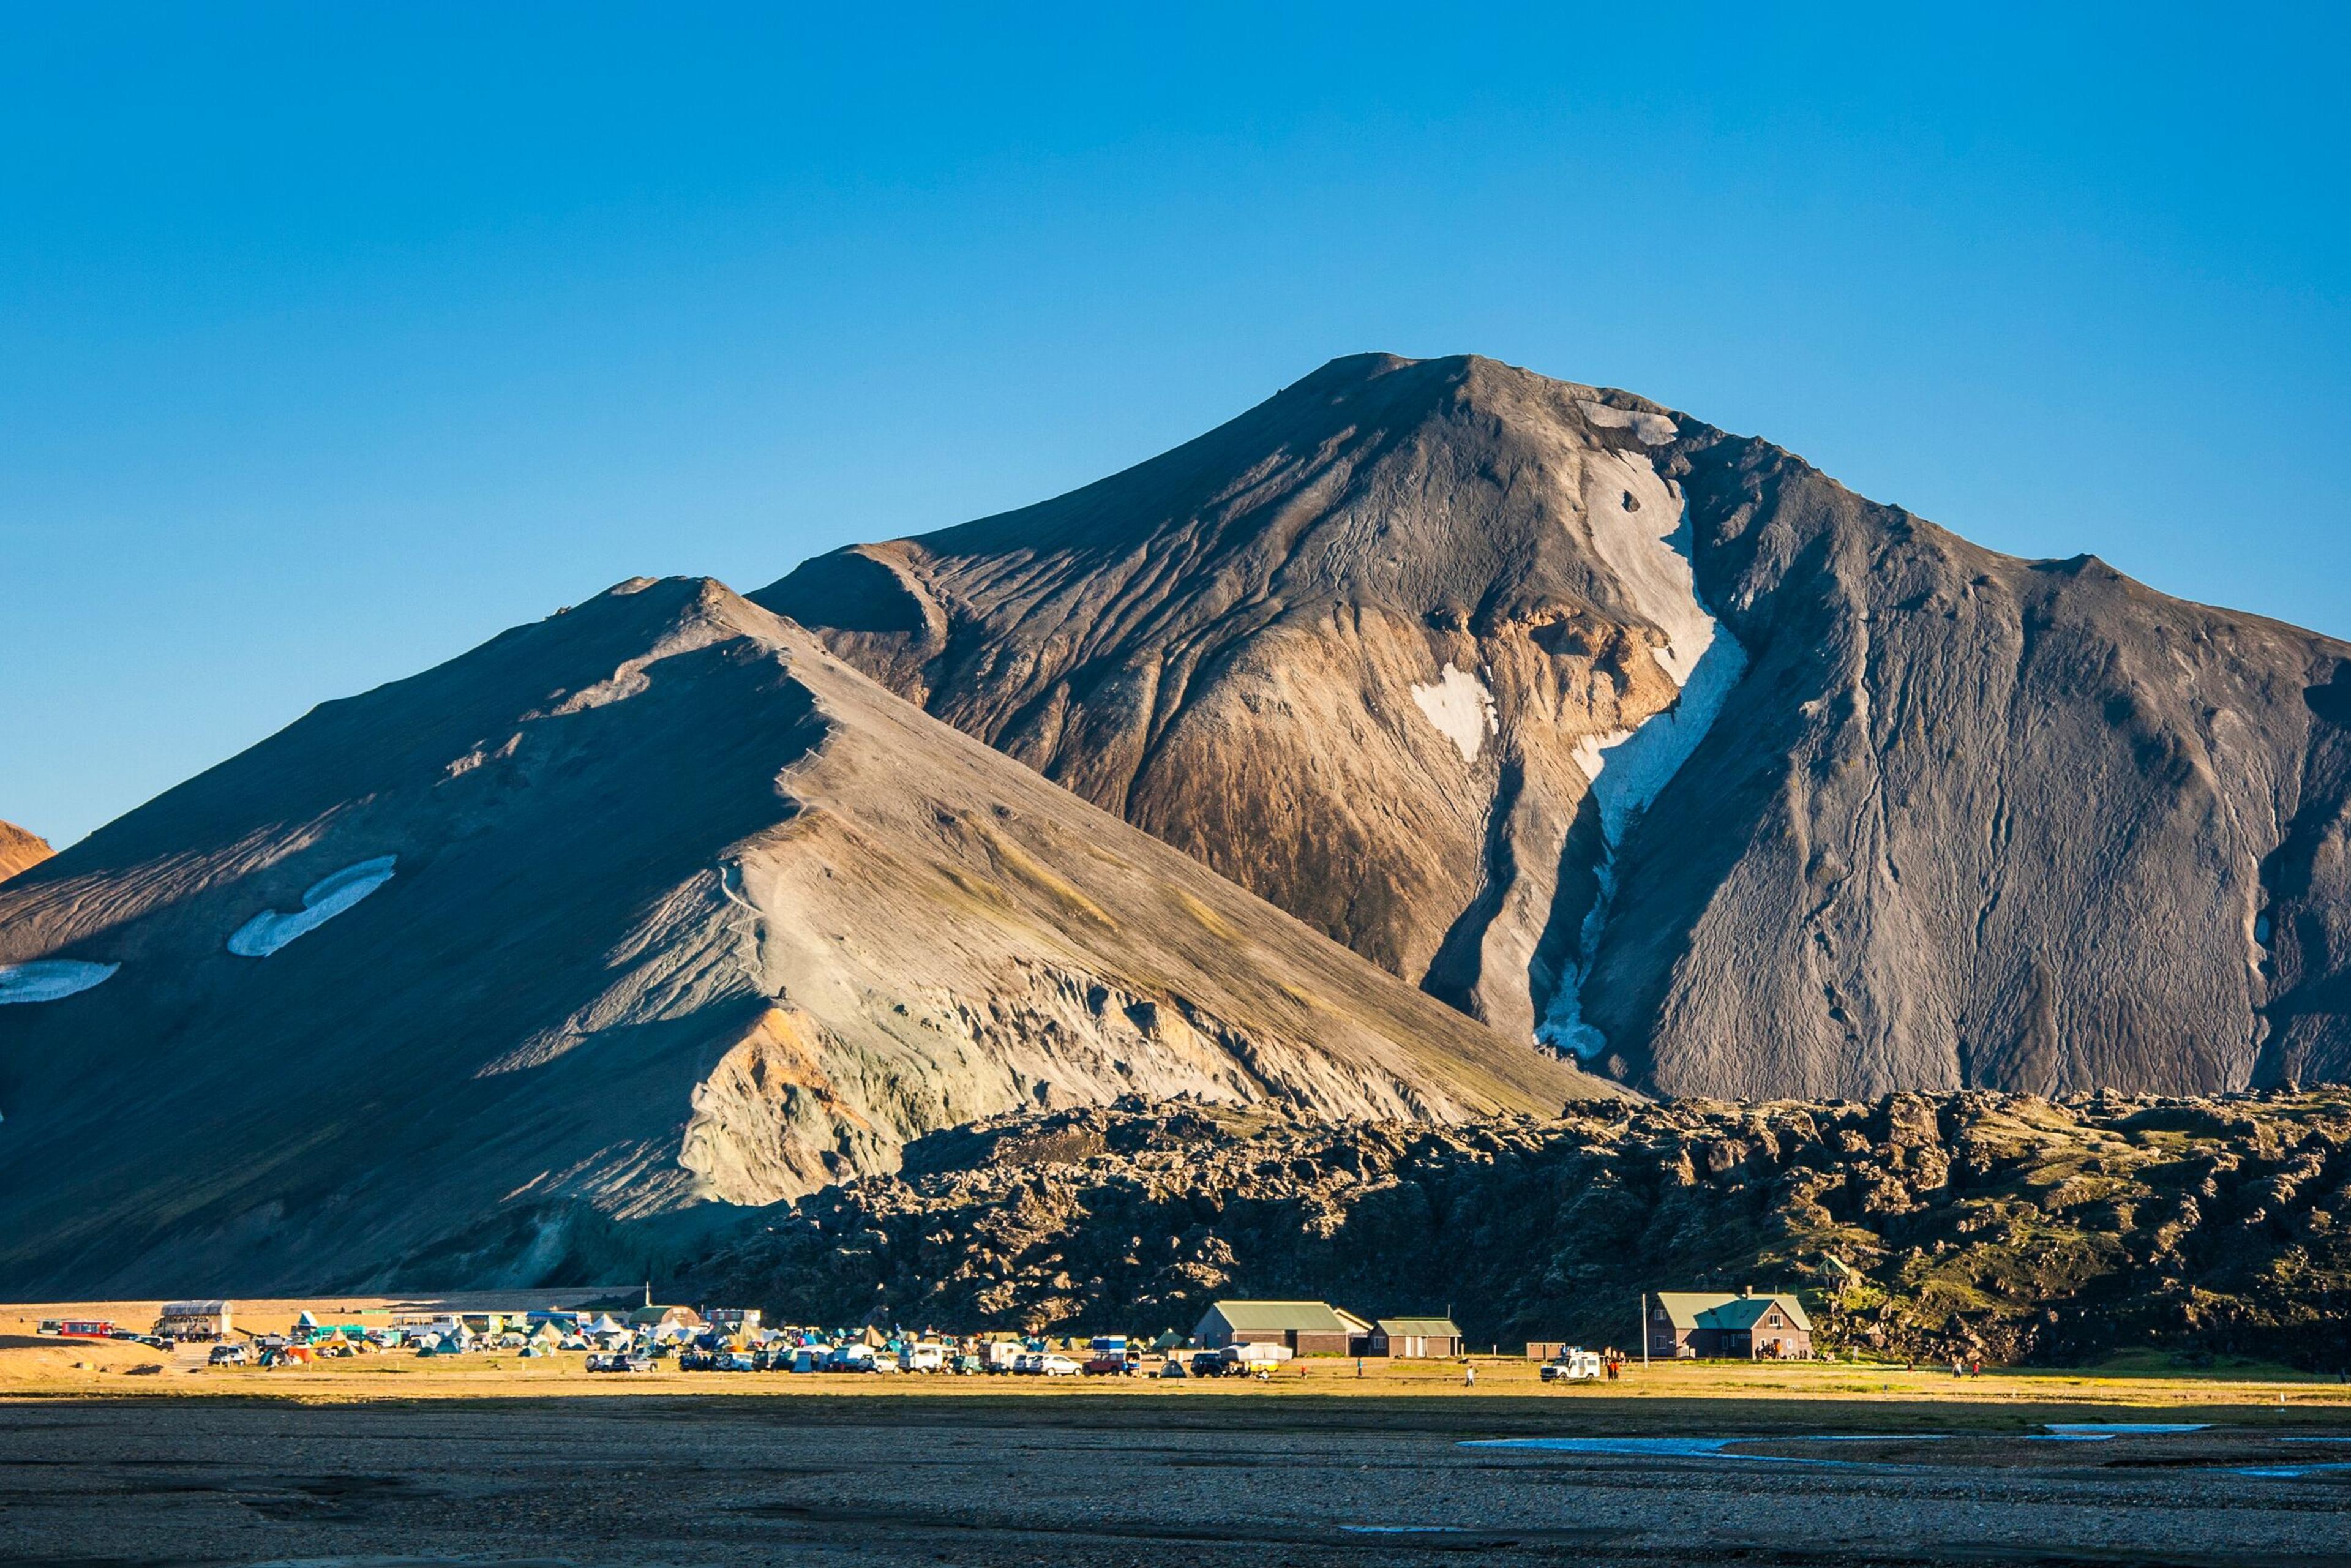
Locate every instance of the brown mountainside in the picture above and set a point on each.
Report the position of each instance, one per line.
(526, 966)
(19, 849)
(1601, 723)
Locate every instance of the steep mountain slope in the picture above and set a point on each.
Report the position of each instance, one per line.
(1607, 726)
(528, 964)
(19, 849)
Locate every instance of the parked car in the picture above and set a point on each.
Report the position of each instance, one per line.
(967, 1365)
(1110, 1366)
(1212, 1364)
(228, 1355)
(1573, 1365)
(1057, 1366)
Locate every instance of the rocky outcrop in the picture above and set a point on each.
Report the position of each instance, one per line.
(529, 966)
(1602, 724)
(19, 849)
(2002, 1227)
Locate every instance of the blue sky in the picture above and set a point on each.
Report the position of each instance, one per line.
(335, 338)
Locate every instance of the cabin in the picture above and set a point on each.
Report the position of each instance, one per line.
(195, 1320)
(1710, 1325)
(1416, 1339)
(1305, 1328)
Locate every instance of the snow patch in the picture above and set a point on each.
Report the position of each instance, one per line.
(269, 931)
(1629, 768)
(1650, 429)
(50, 979)
(1461, 707)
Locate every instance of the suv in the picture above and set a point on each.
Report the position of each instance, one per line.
(227, 1355)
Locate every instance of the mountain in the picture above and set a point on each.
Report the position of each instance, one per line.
(526, 966)
(1608, 727)
(19, 849)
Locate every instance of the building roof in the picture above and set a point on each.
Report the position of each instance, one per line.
(194, 1309)
(1354, 1324)
(1279, 1317)
(1727, 1309)
(665, 1315)
(1425, 1328)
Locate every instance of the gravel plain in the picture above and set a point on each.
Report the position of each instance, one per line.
(888, 1481)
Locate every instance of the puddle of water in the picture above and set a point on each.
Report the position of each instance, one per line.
(2101, 1431)
(2288, 1472)
(1698, 1448)
(1401, 1529)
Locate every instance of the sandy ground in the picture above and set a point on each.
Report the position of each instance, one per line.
(985, 1476)
(493, 1460)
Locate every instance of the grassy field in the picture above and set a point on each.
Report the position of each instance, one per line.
(1807, 1393)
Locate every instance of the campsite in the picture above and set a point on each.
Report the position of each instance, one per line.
(499, 1451)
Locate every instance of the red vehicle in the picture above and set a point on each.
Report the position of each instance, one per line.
(86, 1328)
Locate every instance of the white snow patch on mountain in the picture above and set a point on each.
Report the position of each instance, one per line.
(1629, 768)
(50, 979)
(1460, 706)
(326, 898)
(1650, 429)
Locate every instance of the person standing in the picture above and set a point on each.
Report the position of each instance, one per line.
(1469, 1375)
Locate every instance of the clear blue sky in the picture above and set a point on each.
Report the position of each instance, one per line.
(334, 339)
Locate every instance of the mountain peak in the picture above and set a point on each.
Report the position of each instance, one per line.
(19, 850)
(1602, 724)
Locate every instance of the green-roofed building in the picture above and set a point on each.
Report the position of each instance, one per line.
(1416, 1339)
(1723, 1324)
(1307, 1328)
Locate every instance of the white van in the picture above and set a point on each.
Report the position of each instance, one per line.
(925, 1356)
(1573, 1365)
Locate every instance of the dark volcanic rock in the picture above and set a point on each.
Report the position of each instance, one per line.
(1958, 819)
(2005, 1226)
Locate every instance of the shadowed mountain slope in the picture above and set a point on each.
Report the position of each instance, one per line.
(526, 966)
(19, 849)
(1604, 724)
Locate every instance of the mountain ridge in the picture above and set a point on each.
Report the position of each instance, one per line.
(1457, 711)
(534, 964)
(20, 850)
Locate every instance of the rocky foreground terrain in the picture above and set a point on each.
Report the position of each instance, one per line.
(2005, 1226)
